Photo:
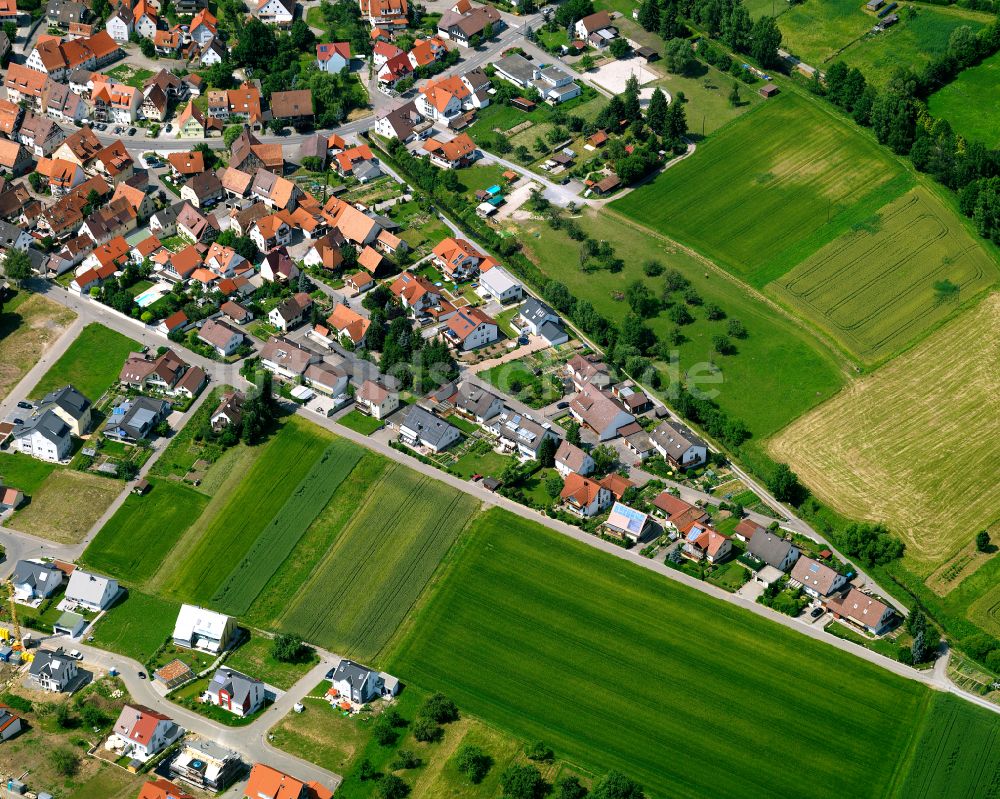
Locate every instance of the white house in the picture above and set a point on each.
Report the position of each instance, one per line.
(817, 579)
(376, 400)
(292, 312)
(120, 26)
(471, 328)
(570, 458)
(34, 581)
(224, 339)
(198, 628)
(541, 320)
(140, 732)
(46, 437)
(584, 497)
(421, 427)
(678, 444)
(274, 12)
(597, 410)
(357, 683)
(52, 671)
(90, 591)
(239, 694)
(499, 284)
(333, 57)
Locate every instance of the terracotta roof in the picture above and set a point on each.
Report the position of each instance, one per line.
(348, 322)
(190, 163)
(617, 484)
(579, 490)
(291, 104)
(325, 51)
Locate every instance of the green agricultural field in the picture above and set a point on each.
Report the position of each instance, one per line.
(378, 563)
(137, 626)
(873, 288)
(770, 189)
(957, 753)
(136, 540)
(971, 102)
(277, 540)
(551, 639)
(91, 363)
(779, 370)
(24, 472)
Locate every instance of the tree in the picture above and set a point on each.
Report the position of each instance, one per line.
(289, 648)
(649, 15)
(439, 709)
(734, 95)
(983, 541)
(784, 484)
(615, 785)
(539, 751)
(586, 63)
(605, 457)
(366, 771)
(405, 759)
(257, 45)
(570, 787)
(765, 39)
(677, 126)
(553, 485)
(230, 134)
(656, 113)
(391, 787)
(652, 268)
(17, 266)
(473, 762)
(384, 730)
(871, 543)
(722, 345)
(736, 329)
(64, 761)
(10, 28)
(147, 48)
(573, 433)
(678, 56)
(619, 47)
(426, 730)
(522, 782)
(547, 452)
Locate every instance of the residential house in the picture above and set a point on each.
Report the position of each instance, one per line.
(274, 12)
(270, 232)
(213, 52)
(399, 122)
(230, 411)
(499, 284)
(11, 115)
(278, 266)
(205, 630)
(703, 543)
(235, 183)
(162, 789)
(206, 765)
(457, 259)
(202, 190)
(470, 328)
(520, 434)
(120, 25)
(191, 123)
(235, 312)
(454, 154)
(155, 104)
(355, 162)
(14, 238)
(584, 370)
(269, 783)
(634, 399)
(747, 529)
(376, 399)
(382, 52)
(93, 592)
(596, 29)
(184, 165)
(275, 191)
(349, 325)
(540, 320)
(333, 57)
(420, 427)
(175, 323)
(116, 103)
(773, 550)
(470, 26)
(248, 154)
(221, 337)
(626, 523)
(600, 412)
(291, 313)
(225, 261)
(69, 405)
(570, 458)
(10, 723)
(53, 671)
(137, 419)
(387, 15)
(204, 27)
(35, 580)
(117, 218)
(817, 579)
(64, 105)
(679, 444)
(294, 107)
(415, 292)
(44, 436)
(678, 515)
(40, 134)
(142, 203)
(861, 610)
(239, 694)
(61, 13)
(25, 85)
(443, 99)
(196, 226)
(144, 732)
(584, 497)
(356, 683)
(476, 402)
(166, 372)
(286, 359)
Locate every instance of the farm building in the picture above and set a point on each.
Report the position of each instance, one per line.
(770, 90)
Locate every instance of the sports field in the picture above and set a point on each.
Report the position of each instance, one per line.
(136, 540)
(770, 189)
(379, 562)
(873, 287)
(971, 102)
(957, 754)
(91, 363)
(617, 667)
(916, 444)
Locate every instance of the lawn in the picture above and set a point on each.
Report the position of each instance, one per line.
(24, 472)
(913, 442)
(770, 189)
(361, 422)
(29, 325)
(520, 381)
(130, 75)
(474, 178)
(91, 363)
(137, 626)
(547, 638)
(253, 658)
(873, 288)
(136, 540)
(778, 372)
(378, 563)
(971, 103)
(66, 505)
(706, 90)
(209, 551)
(488, 464)
(730, 576)
(957, 752)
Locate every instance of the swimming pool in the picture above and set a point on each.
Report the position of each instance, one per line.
(151, 295)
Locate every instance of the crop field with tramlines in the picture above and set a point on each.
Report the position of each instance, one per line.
(277, 540)
(379, 562)
(873, 288)
(914, 444)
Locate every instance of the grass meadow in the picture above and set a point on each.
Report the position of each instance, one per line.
(24, 472)
(91, 363)
(137, 626)
(66, 505)
(610, 663)
(769, 190)
(379, 562)
(872, 288)
(914, 444)
(29, 324)
(971, 102)
(136, 540)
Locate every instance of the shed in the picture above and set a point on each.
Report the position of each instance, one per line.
(648, 53)
(72, 624)
(523, 103)
(770, 90)
(140, 487)
(768, 575)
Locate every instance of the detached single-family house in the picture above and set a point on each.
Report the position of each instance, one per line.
(292, 312)
(53, 671)
(10, 723)
(93, 592)
(422, 428)
(570, 458)
(541, 320)
(585, 371)
(679, 444)
(703, 543)
(376, 400)
(596, 29)
(33, 580)
(162, 789)
(44, 436)
(137, 419)
(221, 337)
(774, 551)
(519, 434)
(817, 579)
(69, 405)
(239, 694)
(499, 284)
(600, 412)
(229, 412)
(626, 523)
(144, 732)
(198, 628)
(584, 497)
(206, 765)
(862, 610)
(348, 324)
(333, 57)
(477, 403)
(356, 683)
(269, 783)
(677, 514)
(470, 329)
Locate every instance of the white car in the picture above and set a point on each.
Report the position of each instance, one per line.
(76, 654)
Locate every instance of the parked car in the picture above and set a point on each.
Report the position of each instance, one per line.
(142, 675)
(26, 405)
(816, 613)
(76, 654)
(131, 131)
(562, 405)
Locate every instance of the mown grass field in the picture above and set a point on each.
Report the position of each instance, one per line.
(24, 472)
(66, 505)
(136, 540)
(915, 443)
(254, 657)
(873, 288)
(971, 102)
(779, 371)
(204, 557)
(607, 662)
(379, 563)
(29, 325)
(957, 754)
(706, 90)
(91, 363)
(770, 189)
(137, 626)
